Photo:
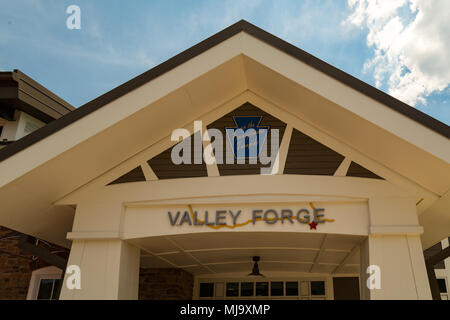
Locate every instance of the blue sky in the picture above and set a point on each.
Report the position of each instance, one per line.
(120, 39)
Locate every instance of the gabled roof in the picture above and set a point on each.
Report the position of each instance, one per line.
(19, 91)
(241, 26)
(43, 173)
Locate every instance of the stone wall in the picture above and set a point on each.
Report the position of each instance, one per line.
(15, 268)
(16, 265)
(165, 284)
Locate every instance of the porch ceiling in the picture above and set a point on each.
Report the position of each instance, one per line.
(225, 252)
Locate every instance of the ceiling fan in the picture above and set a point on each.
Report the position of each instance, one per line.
(255, 270)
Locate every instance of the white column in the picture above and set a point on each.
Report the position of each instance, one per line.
(394, 245)
(402, 267)
(109, 270)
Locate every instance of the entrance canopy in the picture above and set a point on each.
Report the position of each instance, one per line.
(58, 168)
(217, 253)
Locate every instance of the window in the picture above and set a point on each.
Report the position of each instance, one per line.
(262, 289)
(247, 289)
(312, 290)
(276, 288)
(48, 289)
(442, 286)
(291, 288)
(232, 289)
(207, 289)
(304, 289)
(317, 288)
(44, 284)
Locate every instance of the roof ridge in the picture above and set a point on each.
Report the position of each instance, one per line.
(251, 29)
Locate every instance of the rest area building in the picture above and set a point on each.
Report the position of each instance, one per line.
(358, 187)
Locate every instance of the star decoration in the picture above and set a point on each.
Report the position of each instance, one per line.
(312, 225)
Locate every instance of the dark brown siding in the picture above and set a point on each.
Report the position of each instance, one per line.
(164, 168)
(431, 251)
(132, 176)
(227, 121)
(355, 170)
(305, 156)
(310, 157)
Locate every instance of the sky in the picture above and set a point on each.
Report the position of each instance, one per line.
(398, 46)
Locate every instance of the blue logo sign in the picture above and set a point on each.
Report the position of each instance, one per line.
(247, 138)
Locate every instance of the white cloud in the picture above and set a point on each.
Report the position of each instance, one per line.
(411, 51)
